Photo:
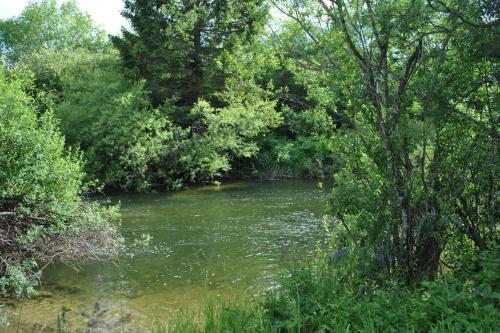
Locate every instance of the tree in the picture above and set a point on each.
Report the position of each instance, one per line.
(311, 99)
(393, 196)
(44, 24)
(174, 44)
(42, 216)
(220, 136)
(186, 52)
(106, 116)
(79, 76)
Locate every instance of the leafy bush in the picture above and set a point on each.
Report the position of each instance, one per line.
(229, 133)
(41, 211)
(108, 117)
(308, 151)
(128, 144)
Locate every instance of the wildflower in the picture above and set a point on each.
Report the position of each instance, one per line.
(336, 256)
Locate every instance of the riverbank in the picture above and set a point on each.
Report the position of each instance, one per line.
(207, 242)
(329, 298)
(43, 217)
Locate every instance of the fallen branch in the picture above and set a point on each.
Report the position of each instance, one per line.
(7, 213)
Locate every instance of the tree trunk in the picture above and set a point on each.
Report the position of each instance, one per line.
(197, 64)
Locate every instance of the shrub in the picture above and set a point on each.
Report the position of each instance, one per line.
(42, 216)
(109, 118)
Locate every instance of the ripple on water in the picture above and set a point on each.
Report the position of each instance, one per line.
(206, 242)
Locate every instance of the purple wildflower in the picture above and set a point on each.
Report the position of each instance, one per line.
(337, 255)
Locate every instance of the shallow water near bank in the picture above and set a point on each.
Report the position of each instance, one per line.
(210, 242)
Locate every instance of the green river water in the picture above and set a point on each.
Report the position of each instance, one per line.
(208, 243)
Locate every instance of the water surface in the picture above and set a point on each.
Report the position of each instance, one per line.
(207, 243)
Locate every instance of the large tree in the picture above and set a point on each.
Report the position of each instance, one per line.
(174, 44)
(420, 158)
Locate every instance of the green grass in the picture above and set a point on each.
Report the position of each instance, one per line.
(313, 299)
(316, 298)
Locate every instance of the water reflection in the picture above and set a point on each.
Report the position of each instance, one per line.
(207, 242)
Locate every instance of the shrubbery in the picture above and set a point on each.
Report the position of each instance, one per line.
(394, 100)
(110, 119)
(42, 215)
(328, 298)
(331, 299)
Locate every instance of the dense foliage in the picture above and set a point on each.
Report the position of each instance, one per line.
(90, 96)
(396, 102)
(42, 215)
(174, 45)
(44, 25)
(325, 298)
(405, 183)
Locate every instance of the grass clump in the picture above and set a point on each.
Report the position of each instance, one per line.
(317, 298)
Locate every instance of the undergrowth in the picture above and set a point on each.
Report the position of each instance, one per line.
(311, 299)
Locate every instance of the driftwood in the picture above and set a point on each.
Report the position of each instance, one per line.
(7, 213)
(96, 242)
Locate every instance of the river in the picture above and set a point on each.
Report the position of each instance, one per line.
(208, 243)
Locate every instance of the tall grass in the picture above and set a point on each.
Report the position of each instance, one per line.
(236, 316)
(318, 299)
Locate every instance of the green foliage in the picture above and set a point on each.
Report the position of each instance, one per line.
(309, 153)
(408, 144)
(217, 317)
(16, 280)
(174, 44)
(325, 298)
(126, 143)
(34, 166)
(41, 210)
(223, 132)
(404, 96)
(44, 24)
(105, 115)
(230, 132)
(396, 101)
(302, 145)
(318, 300)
